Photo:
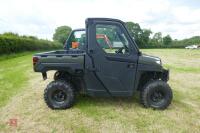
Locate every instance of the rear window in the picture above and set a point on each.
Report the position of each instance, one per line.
(76, 40)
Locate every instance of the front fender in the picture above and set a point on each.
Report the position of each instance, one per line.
(163, 74)
(150, 68)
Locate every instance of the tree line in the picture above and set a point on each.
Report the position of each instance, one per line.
(144, 38)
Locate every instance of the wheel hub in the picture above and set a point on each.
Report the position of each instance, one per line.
(157, 96)
(59, 96)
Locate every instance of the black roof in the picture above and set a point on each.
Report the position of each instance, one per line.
(104, 19)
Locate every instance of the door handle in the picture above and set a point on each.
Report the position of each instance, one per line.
(74, 56)
(91, 51)
(92, 69)
(131, 65)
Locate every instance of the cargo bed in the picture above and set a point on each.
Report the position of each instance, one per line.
(60, 60)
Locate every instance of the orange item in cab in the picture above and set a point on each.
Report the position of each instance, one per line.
(75, 45)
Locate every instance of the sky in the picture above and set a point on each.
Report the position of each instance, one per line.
(179, 18)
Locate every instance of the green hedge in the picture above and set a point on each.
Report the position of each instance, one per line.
(173, 45)
(15, 44)
(176, 43)
(163, 46)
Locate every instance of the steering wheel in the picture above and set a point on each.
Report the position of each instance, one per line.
(120, 50)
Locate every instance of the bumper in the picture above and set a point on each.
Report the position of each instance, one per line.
(165, 75)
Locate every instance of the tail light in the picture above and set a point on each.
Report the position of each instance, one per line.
(35, 60)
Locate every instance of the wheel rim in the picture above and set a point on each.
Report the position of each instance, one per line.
(59, 96)
(157, 96)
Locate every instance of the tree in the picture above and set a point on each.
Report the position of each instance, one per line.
(145, 37)
(62, 33)
(158, 38)
(167, 40)
(134, 30)
(141, 36)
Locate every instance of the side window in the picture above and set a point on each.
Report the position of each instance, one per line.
(112, 39)
(77, 40)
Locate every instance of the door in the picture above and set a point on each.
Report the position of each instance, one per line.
(113, 55)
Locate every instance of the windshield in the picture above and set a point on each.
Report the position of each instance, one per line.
(78, 37)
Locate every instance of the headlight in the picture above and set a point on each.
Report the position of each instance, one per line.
(159, 62)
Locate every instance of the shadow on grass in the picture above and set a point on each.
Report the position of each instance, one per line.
(106, 107)
(84, 100)
(95, 105)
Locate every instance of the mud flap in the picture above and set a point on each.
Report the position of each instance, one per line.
(165, 75)
(44, 75)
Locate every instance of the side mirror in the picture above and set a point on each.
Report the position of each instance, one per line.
(139, 53)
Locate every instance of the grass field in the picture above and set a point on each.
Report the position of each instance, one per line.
(21, 98)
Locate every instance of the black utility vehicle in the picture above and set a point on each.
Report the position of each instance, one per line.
(103, 60)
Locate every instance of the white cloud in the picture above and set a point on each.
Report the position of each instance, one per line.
(41, 17)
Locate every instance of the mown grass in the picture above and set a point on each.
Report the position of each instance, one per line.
(107, 114)
(14, 70)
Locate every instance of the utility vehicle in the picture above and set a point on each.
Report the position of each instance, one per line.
(104, 61)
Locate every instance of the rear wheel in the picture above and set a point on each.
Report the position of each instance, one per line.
(156, 94)
(59, 95)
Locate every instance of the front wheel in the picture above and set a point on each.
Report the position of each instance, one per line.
(156, 94)
(59, 94)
